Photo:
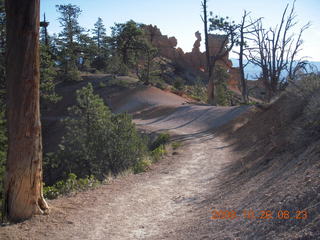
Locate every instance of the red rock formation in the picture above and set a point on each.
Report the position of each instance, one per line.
(195, 60)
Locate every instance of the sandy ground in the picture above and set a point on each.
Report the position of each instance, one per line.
(152, 205)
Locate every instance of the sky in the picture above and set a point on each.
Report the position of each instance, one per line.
(181, 18)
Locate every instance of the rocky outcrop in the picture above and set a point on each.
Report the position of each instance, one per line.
(165, 45)
(194, 60)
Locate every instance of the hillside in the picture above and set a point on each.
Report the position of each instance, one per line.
(276, 169)
(231, 159)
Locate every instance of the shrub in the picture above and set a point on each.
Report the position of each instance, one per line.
(308, 90)
(118, 82)
(176, 145)
(96, 141)
(222, 93)
(162, 139)
(102, 85)
(179, 83)
(142, 165)
(198, 91)
(128, 147)
(99, 63)
(158, 152)
(72, 75)
(306, 86)
(72, 184)
(158, 148)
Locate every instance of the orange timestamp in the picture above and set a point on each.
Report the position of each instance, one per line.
(256, 215)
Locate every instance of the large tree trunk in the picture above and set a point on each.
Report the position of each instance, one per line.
(211, 91)
(23, 179)
(243, 81)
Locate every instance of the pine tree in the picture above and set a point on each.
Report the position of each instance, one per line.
(68, 40)
(48, 74)
(96, 141)
(99, 32)
(101, 48)
(126, 38)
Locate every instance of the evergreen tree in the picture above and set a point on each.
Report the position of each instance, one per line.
(96, 141)
(145, 54)
(68, 40)
(69, 23)
(87, 51)
(126, 39)
(88, 133)
(99, 32)
(130, 44)
(102, 51)
(48, 74)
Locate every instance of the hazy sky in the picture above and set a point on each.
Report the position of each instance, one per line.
(181, 18)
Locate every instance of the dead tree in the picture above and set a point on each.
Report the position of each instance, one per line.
(229, 39)
(244, 30)
(275, 51)
(211, 90)
(23, 178)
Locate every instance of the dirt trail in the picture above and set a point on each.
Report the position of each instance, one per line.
(152, 205)
(157, 203)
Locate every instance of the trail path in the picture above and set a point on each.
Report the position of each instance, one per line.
(163, 203)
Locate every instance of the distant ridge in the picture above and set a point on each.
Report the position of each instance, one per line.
(253, 71)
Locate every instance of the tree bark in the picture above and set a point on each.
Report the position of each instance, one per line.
(211, 91)
(243, 81)
(211, 87)
(23, 178)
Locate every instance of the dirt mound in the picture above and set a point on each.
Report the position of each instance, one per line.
(188, 119)
(277, 170)
(122, 94)
(142, 97)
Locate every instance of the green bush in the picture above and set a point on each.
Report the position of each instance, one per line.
(72, 75)
(102, 85)
(128, 147)
(179, 83)
(142, 166)
(223, 95)
(176, 145)
(198, 91)
(162, 139)
(96, 141)
(72, 184)
(158, 152)
(118, 82)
